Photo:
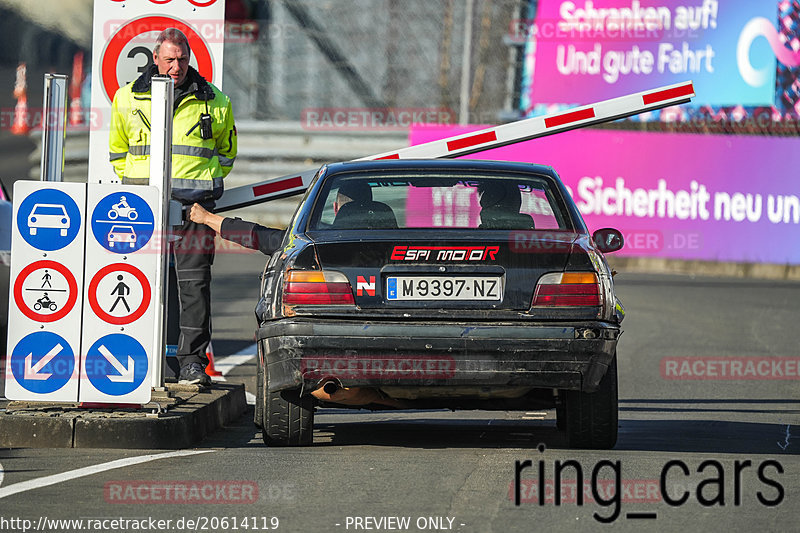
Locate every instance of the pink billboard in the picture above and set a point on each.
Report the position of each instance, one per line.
(705, 197)
(580, 51)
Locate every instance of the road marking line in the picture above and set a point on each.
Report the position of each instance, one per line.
(229, 362)
(89, 470)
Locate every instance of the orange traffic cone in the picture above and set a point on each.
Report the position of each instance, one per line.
(21, 125)
(210, 370)
(75, 111)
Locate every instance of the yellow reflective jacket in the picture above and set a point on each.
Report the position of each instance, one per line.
(198, 165)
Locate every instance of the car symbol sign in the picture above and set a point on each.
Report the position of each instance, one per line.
(48, 219)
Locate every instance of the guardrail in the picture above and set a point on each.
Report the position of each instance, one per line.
(266, 150)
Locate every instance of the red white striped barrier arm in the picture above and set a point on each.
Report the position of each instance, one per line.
(494, 137)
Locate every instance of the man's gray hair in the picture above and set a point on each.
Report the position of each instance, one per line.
(172, 35)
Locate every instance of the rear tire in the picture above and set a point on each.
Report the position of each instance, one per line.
(287, 418)
(591, 419)
(258, 417)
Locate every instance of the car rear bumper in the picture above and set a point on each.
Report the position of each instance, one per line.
(302, 352)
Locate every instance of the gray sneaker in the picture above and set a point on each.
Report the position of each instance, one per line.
(193, 374)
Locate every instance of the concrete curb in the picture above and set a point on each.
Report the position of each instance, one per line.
(196, 415)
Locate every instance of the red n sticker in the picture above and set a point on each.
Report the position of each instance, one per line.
(362, 286)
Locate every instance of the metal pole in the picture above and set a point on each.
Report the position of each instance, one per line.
(54, 126)
(160, 174)
(466, 65)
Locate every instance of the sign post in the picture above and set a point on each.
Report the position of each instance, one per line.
(54, 128)
(160, 173)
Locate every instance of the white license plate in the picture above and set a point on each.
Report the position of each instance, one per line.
(444, 288)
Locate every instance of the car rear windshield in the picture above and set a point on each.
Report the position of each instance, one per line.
(441, 201)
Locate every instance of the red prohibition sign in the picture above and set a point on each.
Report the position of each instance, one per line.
(72, 288)
(119, 320)
(133, 29)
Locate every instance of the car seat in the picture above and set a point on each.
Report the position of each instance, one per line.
(500, 203)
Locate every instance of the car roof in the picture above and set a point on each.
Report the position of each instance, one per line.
(391, 165)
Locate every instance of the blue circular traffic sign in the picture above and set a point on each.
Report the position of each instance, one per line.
(116, 364)
(122, 222)
(42, 362)
(48, 219)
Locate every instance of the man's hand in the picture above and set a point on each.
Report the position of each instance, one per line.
(200, 216)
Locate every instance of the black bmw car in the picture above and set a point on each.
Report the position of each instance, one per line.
(419, 284)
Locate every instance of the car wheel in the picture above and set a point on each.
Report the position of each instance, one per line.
(590, 419)
(63, 233)
(33, 231)
(288, 418)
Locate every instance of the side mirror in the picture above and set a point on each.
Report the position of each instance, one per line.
(608, 240)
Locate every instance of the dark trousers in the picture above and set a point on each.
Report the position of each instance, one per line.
(194, 255)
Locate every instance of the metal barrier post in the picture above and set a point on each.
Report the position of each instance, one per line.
(160, 173)
(54, 126)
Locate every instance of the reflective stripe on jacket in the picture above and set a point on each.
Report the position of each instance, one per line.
(198, 165)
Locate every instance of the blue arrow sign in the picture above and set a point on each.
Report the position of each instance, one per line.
(42, 362)
(122, 222)
(48, 219)
(116, 364)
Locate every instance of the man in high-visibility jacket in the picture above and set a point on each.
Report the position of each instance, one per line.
(204, 147)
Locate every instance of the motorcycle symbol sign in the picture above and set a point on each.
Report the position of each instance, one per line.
(122, 209)
(122, 223)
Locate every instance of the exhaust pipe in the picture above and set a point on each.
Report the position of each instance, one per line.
(331, 390)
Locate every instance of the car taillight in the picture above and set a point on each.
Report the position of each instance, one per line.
(567, 289)
(315, 287)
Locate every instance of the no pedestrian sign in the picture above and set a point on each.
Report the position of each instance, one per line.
(119, 293)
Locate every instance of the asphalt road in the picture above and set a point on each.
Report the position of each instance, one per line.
(456, 471)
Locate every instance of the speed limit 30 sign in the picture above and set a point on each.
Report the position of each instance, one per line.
(124, 35)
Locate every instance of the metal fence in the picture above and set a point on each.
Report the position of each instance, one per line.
(375, 54)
